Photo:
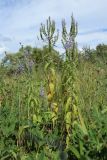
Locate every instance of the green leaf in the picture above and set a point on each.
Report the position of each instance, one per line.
(75, 152)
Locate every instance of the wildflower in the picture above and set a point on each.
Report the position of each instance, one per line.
(30, 65)
(42, 92)
(68, 43)
(20, 68)
(27, 53)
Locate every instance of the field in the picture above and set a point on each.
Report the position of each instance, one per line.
(54, 107)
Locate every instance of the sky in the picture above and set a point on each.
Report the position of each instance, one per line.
(20, 21)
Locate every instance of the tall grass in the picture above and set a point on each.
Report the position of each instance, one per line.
(53, 112)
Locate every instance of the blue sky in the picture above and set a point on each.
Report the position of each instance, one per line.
(20, 21)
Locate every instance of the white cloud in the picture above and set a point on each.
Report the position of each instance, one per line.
(2, 49)
(92, 39)
(21, 21)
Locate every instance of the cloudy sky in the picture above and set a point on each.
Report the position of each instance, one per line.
(20, 21)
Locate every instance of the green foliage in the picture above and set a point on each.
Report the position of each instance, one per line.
(68, 38)
(54, 109)
(47, 33)
(101, 50)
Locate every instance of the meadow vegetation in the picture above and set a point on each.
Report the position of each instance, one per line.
(53, 106)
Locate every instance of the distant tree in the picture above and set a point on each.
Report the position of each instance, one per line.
(19, 61)
(101, 50)
(41, 57)
(37, 55)
(47, 33)
(89, 54)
